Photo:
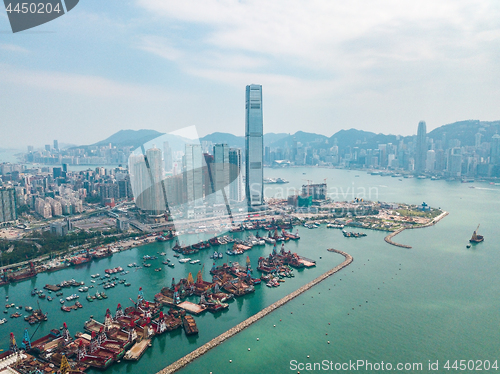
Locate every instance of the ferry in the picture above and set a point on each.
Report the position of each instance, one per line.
(194, 261)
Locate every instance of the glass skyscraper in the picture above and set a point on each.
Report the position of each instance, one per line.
(254, 146)
(193, 174)
(421, 149)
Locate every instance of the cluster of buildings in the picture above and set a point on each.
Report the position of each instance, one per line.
(446, 156)
(205, 184)
(209, 182)
(91, 155)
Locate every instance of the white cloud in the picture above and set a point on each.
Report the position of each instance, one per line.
(13, 48)
(160, 46)
(75, 84)
(315, 32)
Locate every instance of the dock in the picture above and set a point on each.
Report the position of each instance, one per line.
(182, 362)
(137, 350)
(191, 307)
(52, 287)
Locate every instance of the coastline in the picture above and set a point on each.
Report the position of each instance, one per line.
(182, 362)
(388, 238)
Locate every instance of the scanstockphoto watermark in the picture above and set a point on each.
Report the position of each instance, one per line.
(24, 15)
(334, 193)
(358, 365)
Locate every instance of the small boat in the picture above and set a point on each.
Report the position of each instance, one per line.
(15, 315)
(90, 298)
(194, 261)
(28, 308)
(468, 245)
(78, 304)
(158, 269)
(171, 264)
(103, 295)
(65, 308)
(2, 321)
(50, 298)
(127, 284)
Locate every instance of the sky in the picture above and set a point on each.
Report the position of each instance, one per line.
(324, 65)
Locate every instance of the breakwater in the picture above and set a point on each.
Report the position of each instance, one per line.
(182, 362)
(389, 237)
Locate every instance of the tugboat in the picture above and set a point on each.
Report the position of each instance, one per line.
(476, 238)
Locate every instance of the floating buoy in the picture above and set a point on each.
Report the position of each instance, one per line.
(328, 322)
(328, 342)
(257, 339)
(307, 356)
(230, 361)
(248, 348)
(274, 326)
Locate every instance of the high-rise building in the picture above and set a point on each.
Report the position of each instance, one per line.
(477, 139)
(8, 207)
(56, 145)
(220, 170)
(235, 177)
(193, 174)
(155, 165)
(431, 160)
(208, 178)
(167, 156)
(421, 149)
(495, 149)
(455, 162)
(146, 174)
(254, 144)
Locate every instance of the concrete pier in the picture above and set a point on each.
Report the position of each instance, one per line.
(389, 237)
(179, 364)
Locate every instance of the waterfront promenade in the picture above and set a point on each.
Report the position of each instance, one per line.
(389, 237)
(182, 362)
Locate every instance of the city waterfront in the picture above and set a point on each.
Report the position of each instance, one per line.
(422, 312)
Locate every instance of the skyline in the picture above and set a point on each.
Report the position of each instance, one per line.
(324, 68)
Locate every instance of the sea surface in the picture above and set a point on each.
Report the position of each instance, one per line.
(437, 301)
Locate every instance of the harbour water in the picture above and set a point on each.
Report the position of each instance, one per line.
(436, 301)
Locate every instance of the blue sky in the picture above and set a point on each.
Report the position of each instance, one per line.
(379, 66)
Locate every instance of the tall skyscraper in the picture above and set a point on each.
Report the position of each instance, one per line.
(146, 174)
(236, 185)
(254, 144)
(193, 174)
(167, 156)
(431, 160)
(56, 145)
(455, 162)
(220, 170)
(8, 207)
(155, 164)
(421, 149)
(495, 149)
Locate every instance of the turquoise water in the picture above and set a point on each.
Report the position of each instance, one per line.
(436, 301)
